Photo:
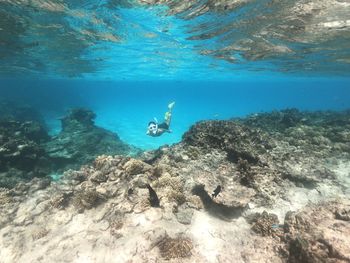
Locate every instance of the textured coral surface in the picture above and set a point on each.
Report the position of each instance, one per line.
(284, 197)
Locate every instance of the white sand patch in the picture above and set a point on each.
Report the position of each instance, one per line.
(217, 240)
(343, 176)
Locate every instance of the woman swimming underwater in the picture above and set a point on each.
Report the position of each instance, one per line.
(154, 129)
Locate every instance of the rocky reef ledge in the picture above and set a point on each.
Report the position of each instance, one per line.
(27, 151)
(81, 141)
(272, 187)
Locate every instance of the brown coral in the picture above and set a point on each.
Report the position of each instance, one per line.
(173, 188)
(60, 201)
(264, 223)
(5, 198)
(39, 233)
(179, 247)
(133, 167)
(86, 200)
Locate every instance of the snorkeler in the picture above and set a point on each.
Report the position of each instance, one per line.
(154, 129)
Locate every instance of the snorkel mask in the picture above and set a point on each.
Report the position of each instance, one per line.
(152, 128)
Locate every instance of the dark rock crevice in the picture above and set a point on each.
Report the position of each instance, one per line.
(221, 211)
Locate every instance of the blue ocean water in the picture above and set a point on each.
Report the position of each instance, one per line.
(126, 107)
(126, 60)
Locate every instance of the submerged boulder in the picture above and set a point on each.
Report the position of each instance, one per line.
(81, 141)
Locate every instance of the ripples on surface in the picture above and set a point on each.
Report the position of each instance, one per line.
(173, 39)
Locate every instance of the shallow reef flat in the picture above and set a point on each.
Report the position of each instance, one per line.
(272, 187)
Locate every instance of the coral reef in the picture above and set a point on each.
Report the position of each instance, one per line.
(239, 142)
(80, 141)
(27, 151)
(325, 131)
(282, 198)
(22, 156)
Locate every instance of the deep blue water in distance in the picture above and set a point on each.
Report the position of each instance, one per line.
(126, 107)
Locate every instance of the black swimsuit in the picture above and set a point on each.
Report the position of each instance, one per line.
(164, 126)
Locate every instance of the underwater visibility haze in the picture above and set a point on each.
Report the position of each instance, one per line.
(174, 131)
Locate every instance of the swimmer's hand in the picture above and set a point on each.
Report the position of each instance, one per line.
(169, 131)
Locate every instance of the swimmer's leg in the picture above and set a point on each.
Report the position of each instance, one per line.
(167, 117)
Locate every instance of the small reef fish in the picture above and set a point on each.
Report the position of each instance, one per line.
(153, 198)
(216, 192)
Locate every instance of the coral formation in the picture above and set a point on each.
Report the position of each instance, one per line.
(134, 167)
(239, 142)
(314, 235)
(61, 200)
(27, 151)
(81, 141)
(284, 197)
(86, 200)
(39, 233)
(5, 197)
(265, 224)
(22, 156)
(173, 186)
(179, 247)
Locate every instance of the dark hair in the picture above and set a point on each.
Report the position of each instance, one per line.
(152, 122)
